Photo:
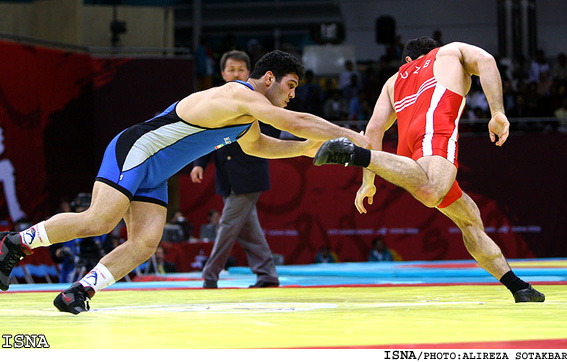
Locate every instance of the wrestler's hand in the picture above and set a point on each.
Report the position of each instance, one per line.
(360, 139)
(365, 191)
(499, 126)
(311, 147)
(197, 174)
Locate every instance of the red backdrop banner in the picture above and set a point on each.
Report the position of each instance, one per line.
(58, 111)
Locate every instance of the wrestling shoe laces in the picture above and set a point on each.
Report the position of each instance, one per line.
(11, 252)
(339, 151)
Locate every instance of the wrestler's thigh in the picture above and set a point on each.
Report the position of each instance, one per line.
(440, 171)
(107, 203)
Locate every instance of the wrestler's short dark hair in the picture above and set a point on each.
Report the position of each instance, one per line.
(418, 47)
(236, 55)
(280, 63)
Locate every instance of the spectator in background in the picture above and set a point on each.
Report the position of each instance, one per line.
(63, 254)
(199, 261)
(559, 72)
(351, 90)
(538, 65)
(336, 107)
(544, 84)
(394, 49)
(371, 85)
(385, 71)
(209, 230)
(330, 86)
(520, 110)
(204, 64)
(476, 97)
(561, 113)
(509, 95)
(360, 108)
(379, 251)
(326, 255)
(310, 95)
(532, 98)
(163, 266)
(186, 227)
(345, 77)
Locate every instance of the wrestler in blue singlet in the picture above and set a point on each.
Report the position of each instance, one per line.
(140, 159)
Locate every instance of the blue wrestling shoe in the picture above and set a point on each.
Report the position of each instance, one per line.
(11, 252)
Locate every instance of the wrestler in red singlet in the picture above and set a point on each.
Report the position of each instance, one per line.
(428, 116)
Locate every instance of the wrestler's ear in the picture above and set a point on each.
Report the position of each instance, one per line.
(269, 78)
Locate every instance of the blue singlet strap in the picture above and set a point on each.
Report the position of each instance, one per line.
(244, 83)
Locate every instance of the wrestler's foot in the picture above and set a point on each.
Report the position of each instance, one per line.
(74, 299)
(338, 151)
(528, 295)
(11, 252)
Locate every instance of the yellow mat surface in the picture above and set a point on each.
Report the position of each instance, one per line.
(289, 317)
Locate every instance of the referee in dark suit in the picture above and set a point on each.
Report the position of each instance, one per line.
(240, 179)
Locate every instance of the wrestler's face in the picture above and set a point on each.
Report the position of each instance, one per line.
(280, 93)
(235, 70)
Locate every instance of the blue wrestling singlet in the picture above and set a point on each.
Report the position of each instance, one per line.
(140, 159)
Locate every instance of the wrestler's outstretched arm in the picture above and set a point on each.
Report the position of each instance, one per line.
(304, 125)
(258, 144)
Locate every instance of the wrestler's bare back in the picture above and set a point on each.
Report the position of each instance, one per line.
(219, 106)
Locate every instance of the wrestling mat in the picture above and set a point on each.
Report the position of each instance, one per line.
(450, 304)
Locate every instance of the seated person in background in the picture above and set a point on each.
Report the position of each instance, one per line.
(379, 251)
(179, 219)
(209, 231)
(162, 265)
(64, 255)
(336, 108)
(325, 255)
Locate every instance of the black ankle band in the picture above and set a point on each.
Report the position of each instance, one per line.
(361, 157)
(512, 282)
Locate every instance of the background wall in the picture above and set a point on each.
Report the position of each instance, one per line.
(473, 21)
(72, 22)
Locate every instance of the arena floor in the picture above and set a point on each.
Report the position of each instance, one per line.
(349, 305)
